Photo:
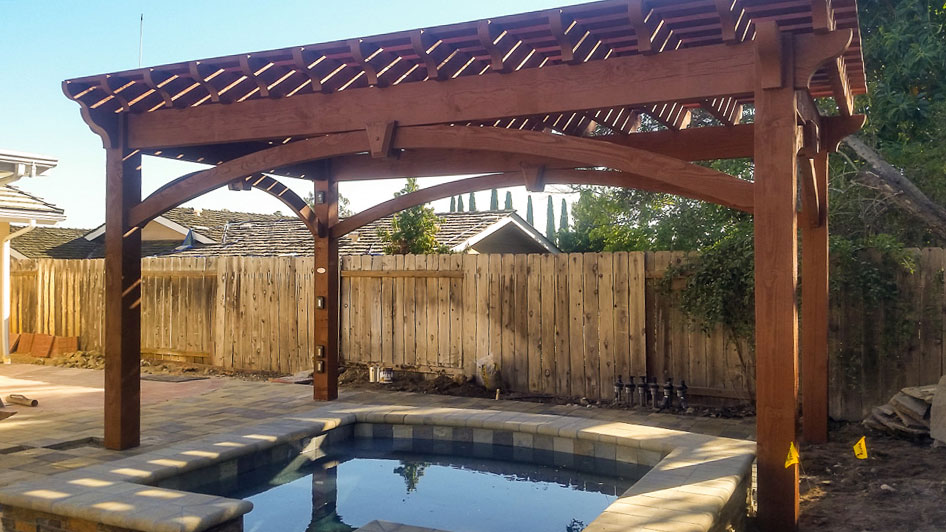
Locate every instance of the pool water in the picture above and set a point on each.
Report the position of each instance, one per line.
(468, 490)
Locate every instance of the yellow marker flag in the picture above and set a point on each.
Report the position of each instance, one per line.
(860, 448)
(792, 457)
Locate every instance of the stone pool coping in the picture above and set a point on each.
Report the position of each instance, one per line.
(696, 479)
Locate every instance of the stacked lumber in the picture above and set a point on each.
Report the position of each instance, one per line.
(938, 414)
(906, 415)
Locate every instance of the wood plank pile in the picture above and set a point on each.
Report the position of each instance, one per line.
(938, 415)
(906, 415)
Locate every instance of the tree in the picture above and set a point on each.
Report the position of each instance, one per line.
(563, 220)
(411, 472)
(344, 210)
(550, 221)
(414, 230)
(494, 200)
(453, 204)
(459, 203)
(529, 215)
(471, 204)
(508, 206)
(898, 176)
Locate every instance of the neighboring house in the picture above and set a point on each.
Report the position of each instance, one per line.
(192, 232)
(19, 207)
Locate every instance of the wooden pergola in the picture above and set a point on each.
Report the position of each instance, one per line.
(517, 99)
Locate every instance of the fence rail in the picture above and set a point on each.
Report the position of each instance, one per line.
(555, 324)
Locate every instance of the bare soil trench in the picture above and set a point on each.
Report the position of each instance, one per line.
(901, 486)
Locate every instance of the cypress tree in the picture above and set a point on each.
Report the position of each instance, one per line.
(529, 217)
(471, 205)
(550, 221)
(508, 206)
(459, 203)
(563, 222)
(494, 200)
(453, 204)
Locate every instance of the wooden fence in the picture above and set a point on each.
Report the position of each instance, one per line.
(555, 324)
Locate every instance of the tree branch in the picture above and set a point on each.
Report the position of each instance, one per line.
(891, 183)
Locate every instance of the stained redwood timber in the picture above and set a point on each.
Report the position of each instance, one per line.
(813, 208)
(284, 194)
(727, 110)
(776, 269)
(814, 311)
(672, 115)
(380, 137)
(584, 152)
(733, 20)
(740, 196)
(687, 74)
(694, 144)
(431, 163)
(122, 299)
(653, 34)
(534, 177)
(835, 128)
(325, 378)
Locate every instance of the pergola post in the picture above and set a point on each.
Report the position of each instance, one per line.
(814, 310)
(122, 296)
(776, 267)
(325, 369)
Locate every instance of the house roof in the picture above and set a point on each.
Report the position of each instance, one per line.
(289, 236)
(69, 243)
(208, 224)
(249, 234)
(53, 243)
(20, 205)
(213, 223)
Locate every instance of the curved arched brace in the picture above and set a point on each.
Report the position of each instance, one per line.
(511, 179)
(289, 198)
(193, 185)
(707, 183)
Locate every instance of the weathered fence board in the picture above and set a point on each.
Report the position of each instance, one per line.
(566, 325)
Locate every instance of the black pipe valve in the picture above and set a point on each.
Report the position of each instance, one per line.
(682, 395)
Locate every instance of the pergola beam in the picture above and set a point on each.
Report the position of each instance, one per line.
(738, 196)
(583, 152)
(686, 75)
(683, 75)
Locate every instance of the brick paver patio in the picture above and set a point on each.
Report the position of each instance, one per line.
(56, 436)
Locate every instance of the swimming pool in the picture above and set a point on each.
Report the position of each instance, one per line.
(474, 488)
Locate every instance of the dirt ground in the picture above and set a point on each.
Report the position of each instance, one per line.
(901, 486)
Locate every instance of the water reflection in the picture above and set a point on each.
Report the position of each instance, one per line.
(465, 491)
(411, 472)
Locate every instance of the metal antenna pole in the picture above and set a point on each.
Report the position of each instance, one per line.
(141, 30)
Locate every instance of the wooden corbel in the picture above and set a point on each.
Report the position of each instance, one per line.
(534, 177)
(835, 128)
(817, 213)
(202, 75)
(380, 138)
(489, 35)
(815, 50)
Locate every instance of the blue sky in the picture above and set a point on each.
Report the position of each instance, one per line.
(46, 41)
